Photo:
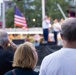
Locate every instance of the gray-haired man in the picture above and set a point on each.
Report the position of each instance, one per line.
(6, 56)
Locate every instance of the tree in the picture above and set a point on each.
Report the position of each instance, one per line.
(10, 13)
(32, 9)
(10, 18)
(53, 11)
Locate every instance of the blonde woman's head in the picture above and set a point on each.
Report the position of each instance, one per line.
(25, 56)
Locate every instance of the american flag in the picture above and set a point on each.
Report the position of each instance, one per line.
(19, 19)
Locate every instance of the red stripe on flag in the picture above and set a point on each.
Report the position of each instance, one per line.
(19, 20)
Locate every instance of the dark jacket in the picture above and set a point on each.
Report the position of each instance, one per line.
(22, 71)
(6, 58)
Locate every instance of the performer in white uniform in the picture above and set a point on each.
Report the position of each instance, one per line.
(46, 25)
(56, 30)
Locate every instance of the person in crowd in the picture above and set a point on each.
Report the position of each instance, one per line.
(61, 21)
(36, 40)
(56, 30)
(63, 61)
(46, 27)
(71, 13)
(6, 56)
(25, 60)
(41, 41)
(36, 43)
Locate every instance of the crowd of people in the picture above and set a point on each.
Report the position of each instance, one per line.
(51, 30)
(23, 59)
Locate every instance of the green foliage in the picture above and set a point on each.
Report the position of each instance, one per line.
(53, 11)
(10, 18)
(32, 9)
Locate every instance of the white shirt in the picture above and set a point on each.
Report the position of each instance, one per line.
(46, 24)
(62, 62)
(37, 37)
(56, 27)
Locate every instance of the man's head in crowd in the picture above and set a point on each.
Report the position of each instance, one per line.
(3, 39)
(68, 31)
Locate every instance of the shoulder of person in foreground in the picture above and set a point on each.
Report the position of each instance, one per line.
(9, 73)
(46, 61)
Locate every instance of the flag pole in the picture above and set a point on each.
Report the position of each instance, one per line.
(14, 13)
(3, 24)
(61, 11)
(43, 9)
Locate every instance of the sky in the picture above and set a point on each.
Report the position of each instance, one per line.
(1, 1)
